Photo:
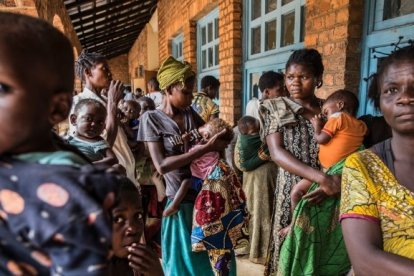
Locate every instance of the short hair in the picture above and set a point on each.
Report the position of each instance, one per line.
(148, 100)
(87, 61)
(245, 122)
(28, 41)
(350, 100)
(403, 54)
(216, 125)
(270, 79)
(211, 81)
(310, 58)
(154, 82)
(84, 102)
(126, 187)
(134, 103)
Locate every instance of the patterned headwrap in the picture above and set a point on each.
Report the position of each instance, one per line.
(172, 71)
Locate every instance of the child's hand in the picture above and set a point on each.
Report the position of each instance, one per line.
(186, 137)
(331, 185)
(317, 122)
(143, 260)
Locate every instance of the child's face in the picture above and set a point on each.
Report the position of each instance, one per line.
(205, 132)
(127, 223)
(131, 111)
(331, 107)
(300, 82)
(99, 75)
(25, 107)
(397, 96)
(90, 121)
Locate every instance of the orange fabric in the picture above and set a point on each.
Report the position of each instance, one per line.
(347, 134)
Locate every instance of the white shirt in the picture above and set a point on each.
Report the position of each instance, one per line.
(252, 108)
(156, 97)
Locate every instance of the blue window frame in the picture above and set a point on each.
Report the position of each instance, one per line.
(177, 47)
(208, 45)
(385, 22)
(272, 29)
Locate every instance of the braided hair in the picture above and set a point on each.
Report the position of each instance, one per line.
(310, 58)
(86, 61)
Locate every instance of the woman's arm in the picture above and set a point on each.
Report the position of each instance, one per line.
(115, 93)
(288, 162)
(165, 164)
(363, 240)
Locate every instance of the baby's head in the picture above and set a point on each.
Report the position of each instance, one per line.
(146, 104)
(215, 126)
(36, 82)
(272, 85)
(131, 109)
(89, 119)
(340, 101)
(127, 219)
(249, 125)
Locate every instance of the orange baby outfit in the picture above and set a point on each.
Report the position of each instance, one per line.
(347, 134)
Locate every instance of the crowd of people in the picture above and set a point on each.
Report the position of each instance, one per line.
(104, 182)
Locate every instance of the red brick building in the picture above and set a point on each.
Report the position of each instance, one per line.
(237, 40)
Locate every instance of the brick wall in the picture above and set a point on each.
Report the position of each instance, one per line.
(181, 16)
(334, 28)
(119, 68)
(138, 56)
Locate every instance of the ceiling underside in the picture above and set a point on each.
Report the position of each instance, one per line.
(109, 26)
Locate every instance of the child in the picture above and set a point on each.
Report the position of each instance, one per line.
(341, 135)
(130, 257)
(220, 219)
(251, 152)
(131, 110)
(88, 118)
(51, 211)
(146, 104)
(199, 167)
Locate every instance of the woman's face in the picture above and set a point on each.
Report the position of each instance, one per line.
(397, 96)
(300, 81)
(99, 76)
(127, 223)
(181, 97)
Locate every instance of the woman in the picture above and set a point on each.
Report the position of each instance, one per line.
(93, 69)
(162, 129)
(377, 204)
(289, 135)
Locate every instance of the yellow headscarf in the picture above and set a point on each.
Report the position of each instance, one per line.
(172, 71)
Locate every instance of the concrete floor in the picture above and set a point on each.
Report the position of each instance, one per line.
(247, 268)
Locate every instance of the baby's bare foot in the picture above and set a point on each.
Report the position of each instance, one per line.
(283, 233)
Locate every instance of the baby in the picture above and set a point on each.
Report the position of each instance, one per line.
(131, 111)
(146, 104)
(52, 215)
(202, 166)
(88, 119)
(250, 151)
(341, 135)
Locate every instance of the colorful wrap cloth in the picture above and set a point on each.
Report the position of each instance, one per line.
(172, 71)
(220, 219)
(315, 245)
(250, 152)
